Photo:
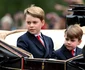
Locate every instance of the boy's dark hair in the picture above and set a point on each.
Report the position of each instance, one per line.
(74, 31)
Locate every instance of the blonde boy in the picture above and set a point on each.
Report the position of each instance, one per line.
(34, 17)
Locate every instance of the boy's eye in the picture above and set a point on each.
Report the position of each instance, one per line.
(34, 22)
(67, 39)
(73, 40)
(28, 22)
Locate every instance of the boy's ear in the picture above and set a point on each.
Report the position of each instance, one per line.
(43, 22)
(79, 42)
(64, 35)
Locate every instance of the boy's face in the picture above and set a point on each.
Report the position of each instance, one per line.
(34, 24)
(71, 43)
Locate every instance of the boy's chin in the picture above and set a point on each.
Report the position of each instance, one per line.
(69, 48)
(32, 32)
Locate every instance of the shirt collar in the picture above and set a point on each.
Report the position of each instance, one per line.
(38, 34)
(74, 49)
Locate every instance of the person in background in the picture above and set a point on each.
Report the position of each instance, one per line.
(33, 41)
(61, 23)
(53, 18)
(73, 36)
(19, 22)
(6, 22)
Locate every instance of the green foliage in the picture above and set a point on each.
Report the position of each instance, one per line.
(13, 6)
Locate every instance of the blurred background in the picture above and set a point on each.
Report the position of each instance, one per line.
(11, 13)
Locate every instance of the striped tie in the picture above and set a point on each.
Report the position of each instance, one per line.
(72, 52)
(38, 37)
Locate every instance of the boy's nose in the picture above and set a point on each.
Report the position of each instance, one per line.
(69, 41)
(31, 24)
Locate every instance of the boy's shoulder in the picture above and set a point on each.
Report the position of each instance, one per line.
(46, 36)
(78, 48)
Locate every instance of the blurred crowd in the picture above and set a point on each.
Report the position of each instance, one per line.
(53, 20)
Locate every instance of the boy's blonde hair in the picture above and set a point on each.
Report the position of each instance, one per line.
(35, 11)
(74, 31)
